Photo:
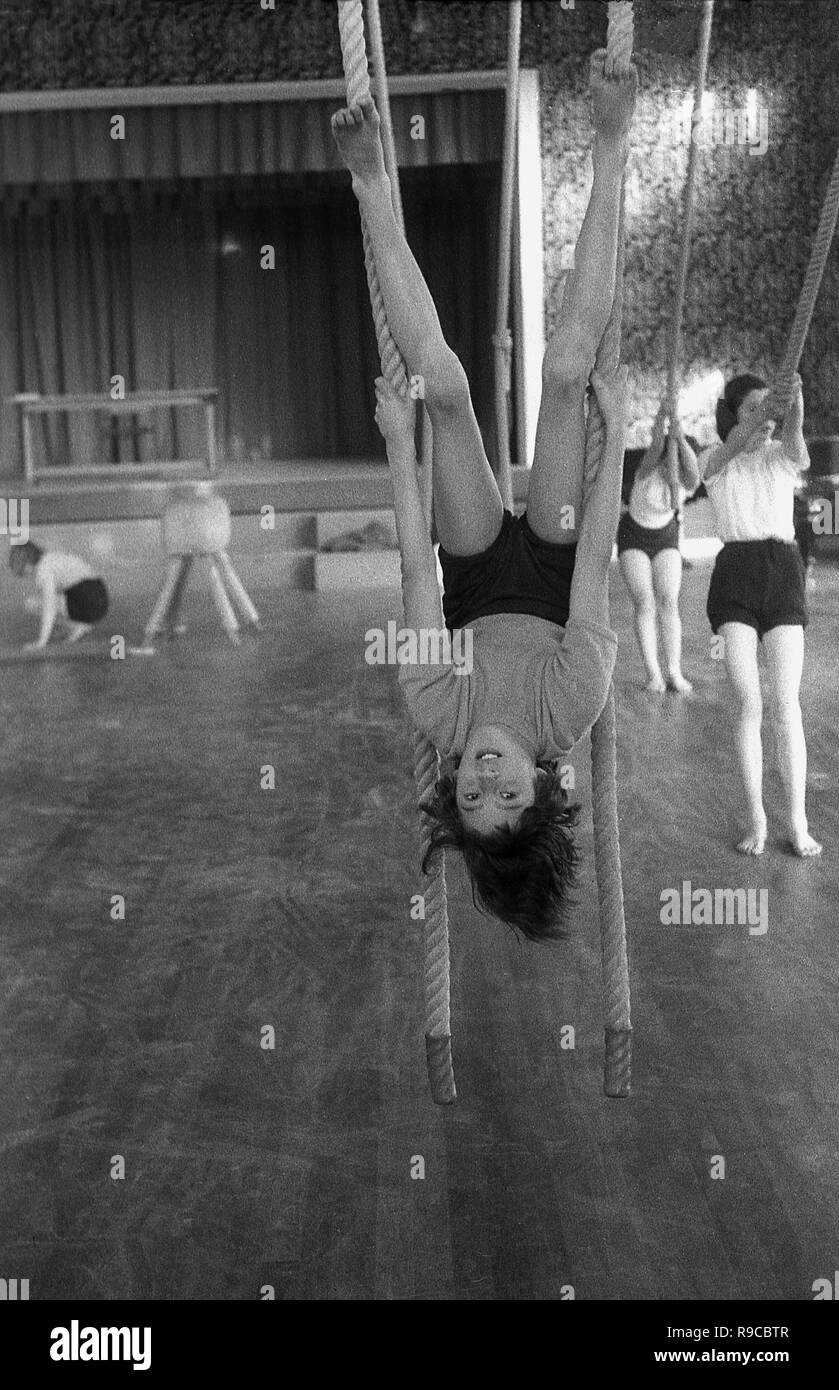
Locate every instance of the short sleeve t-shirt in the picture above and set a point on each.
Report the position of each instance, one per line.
(58, 571)
(545, 683)
(753, 495)
(650, 504)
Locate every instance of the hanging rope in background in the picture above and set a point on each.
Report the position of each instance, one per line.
(782, 386)
(674, 353)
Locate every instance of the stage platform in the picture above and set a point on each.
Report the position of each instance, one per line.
(115, 524)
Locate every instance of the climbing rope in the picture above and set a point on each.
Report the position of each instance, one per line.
(782, 386)
(426, 762)
(675, 344)
(502, 338)
(618, 1026)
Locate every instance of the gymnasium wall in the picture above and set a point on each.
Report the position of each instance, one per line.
(755, 212)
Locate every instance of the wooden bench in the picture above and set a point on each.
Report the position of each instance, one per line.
(134, 403)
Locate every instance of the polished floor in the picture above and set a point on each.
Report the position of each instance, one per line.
(245, 908)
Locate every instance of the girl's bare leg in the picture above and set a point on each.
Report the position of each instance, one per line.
(785, 663)
(467, 504)
(638, 573)
(741, 664)
(556, 480)
(667, 581)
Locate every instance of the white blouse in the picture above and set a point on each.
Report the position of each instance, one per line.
(58, 570)
(650, 504)
(752, 496)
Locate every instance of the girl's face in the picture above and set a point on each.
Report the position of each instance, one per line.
(751, 406)
(496, 780)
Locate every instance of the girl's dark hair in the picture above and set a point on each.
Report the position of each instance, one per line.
(732, 398)
(22, 555)
(523, 876)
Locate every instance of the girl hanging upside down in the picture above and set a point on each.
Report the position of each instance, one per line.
(648, 547)
(534, 590)
(757, 591)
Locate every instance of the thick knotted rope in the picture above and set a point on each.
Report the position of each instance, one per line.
(617, 1071)
(502, 338)
(675, 343)
(782, 386)
(426, 762)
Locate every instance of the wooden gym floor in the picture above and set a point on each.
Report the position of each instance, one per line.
(291, 1167)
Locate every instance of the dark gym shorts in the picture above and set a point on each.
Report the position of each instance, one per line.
(87, 601)
(650, 539)
(759, 583)
(518, 573)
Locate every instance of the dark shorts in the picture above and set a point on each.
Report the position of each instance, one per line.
(87, 601)
(518, 573)
(759, 583)
(651, 539)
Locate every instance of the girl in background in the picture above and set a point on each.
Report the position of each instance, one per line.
(757, 594)
(70, 593)
(650, 561)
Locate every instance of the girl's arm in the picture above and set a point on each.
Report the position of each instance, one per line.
(395, 417)
(421, 590)
(589, 601)
(688, 466)
(49, 613)
(792, 432)
(737, 440)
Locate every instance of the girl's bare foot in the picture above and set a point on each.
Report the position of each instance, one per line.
(677, 682)
(655, 685)
(755, 841)
(803, 843)
(613, 100)
(355, 130)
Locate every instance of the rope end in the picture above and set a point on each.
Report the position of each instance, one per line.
(438, 1055)
(617, 1075)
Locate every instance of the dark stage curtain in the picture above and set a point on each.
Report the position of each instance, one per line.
(212, 138)
(162, 284)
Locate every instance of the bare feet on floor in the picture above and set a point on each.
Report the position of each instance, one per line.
(676, 681)
(803, 843)
(655, 685)
(755, 841)
(355, 130)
